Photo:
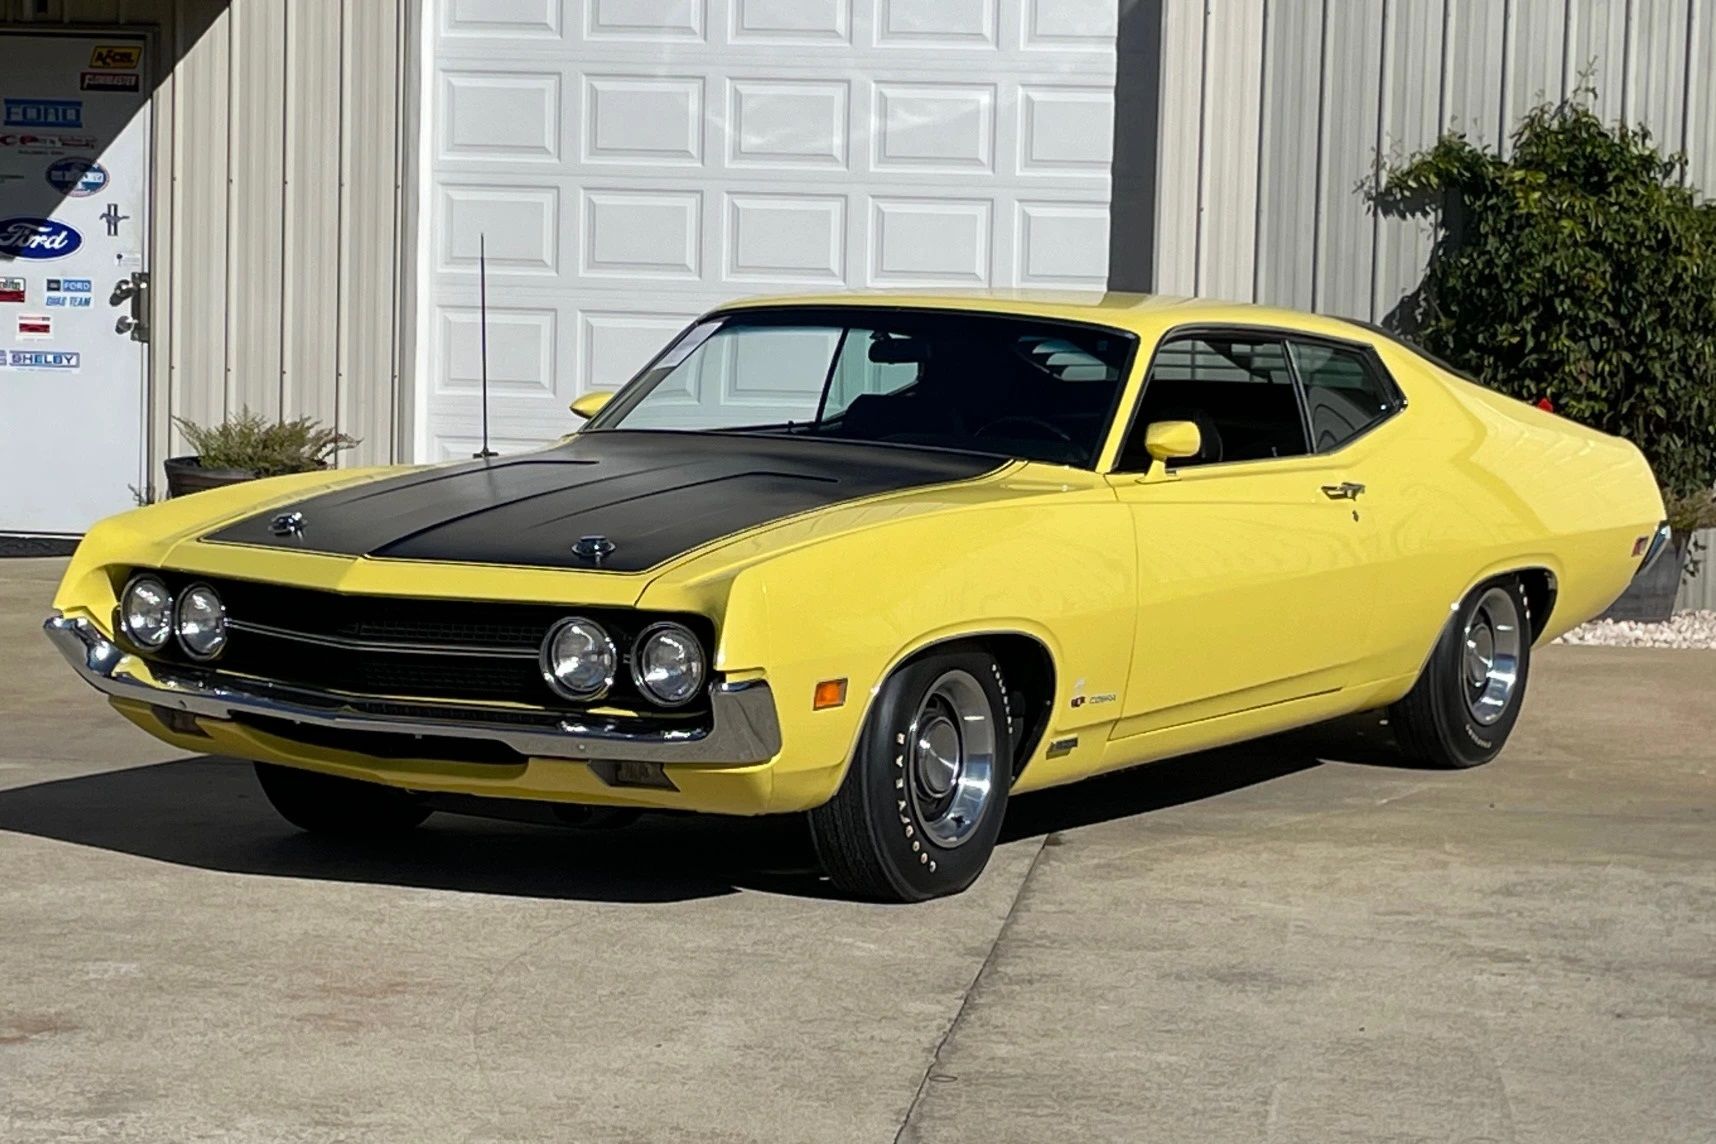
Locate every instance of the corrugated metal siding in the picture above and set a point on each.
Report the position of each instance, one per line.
(1700, 591)
(1266, 138)
(277, 244)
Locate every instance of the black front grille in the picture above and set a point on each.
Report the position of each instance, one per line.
(502, 637)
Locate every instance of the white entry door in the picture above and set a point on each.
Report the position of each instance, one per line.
(74, 211)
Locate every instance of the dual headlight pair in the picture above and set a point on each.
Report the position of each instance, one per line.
(580, 662)
(150, 616)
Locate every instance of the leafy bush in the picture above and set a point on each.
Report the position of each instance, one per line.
(252, 443)
(1579, 270)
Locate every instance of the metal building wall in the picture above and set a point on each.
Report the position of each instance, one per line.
(1274, 112)
(280, 246)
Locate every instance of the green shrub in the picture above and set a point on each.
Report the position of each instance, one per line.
(1578, 270)
(252, 443)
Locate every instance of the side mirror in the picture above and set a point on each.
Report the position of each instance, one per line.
(1167, 440)
(591, 404)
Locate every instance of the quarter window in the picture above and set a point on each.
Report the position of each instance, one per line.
(1344, 393)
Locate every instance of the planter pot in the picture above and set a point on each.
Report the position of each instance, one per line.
(187, 475)
(1650, 598)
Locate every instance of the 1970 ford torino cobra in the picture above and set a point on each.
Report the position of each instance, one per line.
(888, 560)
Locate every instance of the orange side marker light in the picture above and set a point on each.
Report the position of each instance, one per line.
(829, 693)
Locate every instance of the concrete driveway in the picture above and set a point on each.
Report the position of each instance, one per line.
(1296, 941)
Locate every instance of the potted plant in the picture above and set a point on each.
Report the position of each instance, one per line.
(1578, 272)
(249, 446)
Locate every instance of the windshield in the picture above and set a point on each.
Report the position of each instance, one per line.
(1017, 387)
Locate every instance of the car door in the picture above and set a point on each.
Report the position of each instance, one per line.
(1255, 585)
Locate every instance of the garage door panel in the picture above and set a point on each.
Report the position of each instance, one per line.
(776, 237)
(633, 163)
(521, 226)
(791, 22)
(488, 116)
(524, 353)
(516, 19)
(643, 119)
(642, 233)
(788, 124)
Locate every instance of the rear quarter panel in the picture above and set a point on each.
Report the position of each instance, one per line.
(1468, 484)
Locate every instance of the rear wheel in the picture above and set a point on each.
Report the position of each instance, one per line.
(328, 804)
(921, 805)
(1464, 705)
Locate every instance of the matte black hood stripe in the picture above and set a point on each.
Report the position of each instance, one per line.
(655, 495)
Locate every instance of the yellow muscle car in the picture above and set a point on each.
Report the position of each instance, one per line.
(887, 560)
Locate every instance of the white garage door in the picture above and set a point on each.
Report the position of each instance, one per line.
(633, 163)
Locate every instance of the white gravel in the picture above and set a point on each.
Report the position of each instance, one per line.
(1685, 630)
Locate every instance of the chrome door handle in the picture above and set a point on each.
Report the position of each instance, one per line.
(1346, 490)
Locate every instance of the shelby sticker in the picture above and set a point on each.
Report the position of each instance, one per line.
(54, 113)
(37, 239)
(44, 359)
(78, 178)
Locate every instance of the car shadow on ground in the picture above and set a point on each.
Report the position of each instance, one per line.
(209, 813)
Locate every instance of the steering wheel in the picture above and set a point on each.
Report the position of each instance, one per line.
(1043, 428)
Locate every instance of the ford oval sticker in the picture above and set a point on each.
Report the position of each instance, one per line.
(37, 239)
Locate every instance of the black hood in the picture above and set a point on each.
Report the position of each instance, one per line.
(653, 495)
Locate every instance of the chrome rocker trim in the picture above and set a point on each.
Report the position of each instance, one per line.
(745, 729)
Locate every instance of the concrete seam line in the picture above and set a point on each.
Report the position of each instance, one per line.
(965, 997)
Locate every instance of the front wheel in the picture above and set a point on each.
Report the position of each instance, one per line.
(1464, 705)
(921, 805)
(328, 804)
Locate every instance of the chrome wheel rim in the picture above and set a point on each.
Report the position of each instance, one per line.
(1490, 661)
(950, 758)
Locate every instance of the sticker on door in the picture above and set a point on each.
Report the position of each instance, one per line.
(55, 113)
(37, 239)
(116, 57)
(77, 178)
(35, 327)
(111, 81)
(13, 291)
(44, 359)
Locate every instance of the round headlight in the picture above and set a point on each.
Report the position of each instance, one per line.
(667, 664)
(146, 612)
(200, 622)
(578, 659)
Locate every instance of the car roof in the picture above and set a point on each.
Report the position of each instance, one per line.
(1148, 315)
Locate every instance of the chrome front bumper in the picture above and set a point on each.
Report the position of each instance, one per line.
(744, 727)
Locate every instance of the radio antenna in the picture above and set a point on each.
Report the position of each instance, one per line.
(483, 333)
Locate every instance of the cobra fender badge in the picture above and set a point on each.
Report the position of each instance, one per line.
(593, 548)
(287, 524)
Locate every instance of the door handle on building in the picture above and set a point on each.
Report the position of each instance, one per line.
(134, 290)
(1346, 490)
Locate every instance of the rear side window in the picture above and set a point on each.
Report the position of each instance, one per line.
(1345, 394)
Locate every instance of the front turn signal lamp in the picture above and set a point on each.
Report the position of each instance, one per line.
(829, 693)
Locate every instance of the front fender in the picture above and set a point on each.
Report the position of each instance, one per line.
(1060, 571)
